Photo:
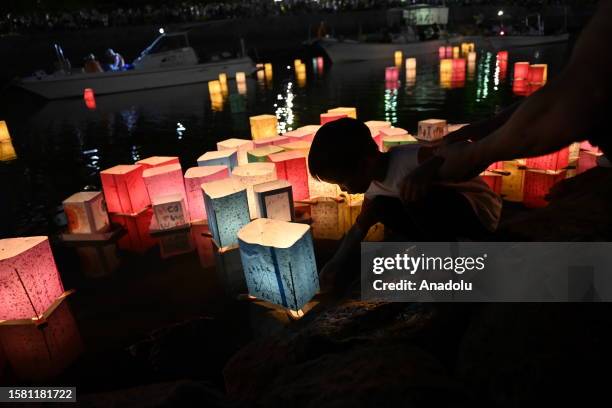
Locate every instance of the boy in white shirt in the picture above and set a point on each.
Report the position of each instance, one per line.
(343, 152)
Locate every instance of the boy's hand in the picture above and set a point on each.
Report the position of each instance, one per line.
(416, 184)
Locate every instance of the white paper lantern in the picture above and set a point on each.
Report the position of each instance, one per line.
(274, 200)
(242, 146)
(249, 175)
(227, 209)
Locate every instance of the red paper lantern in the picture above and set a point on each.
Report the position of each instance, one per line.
(538, 74)
(291, 166)
(137, 237)
(493, 180)
(158, 161)
(90, 98)
(391, 74)
(330, 117)
(521, 87)
(587, 146)
(553, 161)
(502, 56)
(537, 185)
(124, 189)
(521, 70)
(194, 178)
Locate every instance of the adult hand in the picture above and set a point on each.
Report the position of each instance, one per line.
(460, 162)
(416, 184)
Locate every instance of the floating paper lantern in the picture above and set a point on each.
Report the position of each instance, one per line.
(320, 63)
(164, 181)
(194, 178)
(261, 153)
(278, 262)
(327, 219)
(175, 243)
(304, 133)
(446, 66)
(471, 58)
(301, 146)
(456, 52)
(226, 157)
(240, 77)
(124, 189)
(330, 117)
(410, 77)
(396, 139)
(349, 112)
(249, 175)
(513, 184)
(170, 212)
(502, 56)
(223, 83)
(300, 75)
(227, 209)
(241, 83)
(375, 126)
(261, 78)
(41, 352)
(270, 141)
(521, 87)
(268, 71)
(90, 98)
(442, 52)
(553, 161)
(29, 277)
(214, 87)
(318, 188)
(587, 146)
(465, 49)
(449, 51)
(137, 238)
(391, 74)
(291, 166)
(263, 126)
(537, 185)
(398, 56)
(586, 161)
(538, 74)
(274, 200)
(432, 129)
(242, 146)
(411, 64)
(521, 70)
(86, 213)
(158, 161)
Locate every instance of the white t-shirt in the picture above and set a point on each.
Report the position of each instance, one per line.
(403, 159)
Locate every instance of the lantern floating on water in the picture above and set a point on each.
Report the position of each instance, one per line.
(157, 161)
(327, 218)
(446, 66)
(330, 117)
(226, 157)
(456, 52)
(502, 56)
(396, 138)
(194, 178)
(242, 146)
(449, 51)
(241, 86)
(137, 238)
(124, 189)
(513, 183)
(263, 126)
(274, 200)
(375, 126)
(304, 133)
(270, 141)
(227, 209)
(391, 74)
(250, 174)
(442, 52)
(398, 56)
(86, 213)
(410, 77)
(214, 88)
(268, 71)
(90, 98)
(554, 161)
(471, 58)
(223, 83)
(521, 70)
(586, 161)
(278, 262)
(261, 153)
(411, 64)
(432, 129)
(349, 112)
(318, 188)
(300, 75)
(170, 212)
(165, 181)
(29, 276)
(301, 146)
(291, 166)
(537, 185)
(538, 74)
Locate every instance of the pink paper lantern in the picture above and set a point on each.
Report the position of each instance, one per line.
(270, 141)
(164, 181)
(41, 352)
(137, 238)
(90, 98)
(29, 280)
(330, 117)
(586, 161)
(537, 185)
(449, 51)
(521, 70)
(124, 189)
(391, 74)
(291, 166)
(442, 52)
(194, 178)
(587, 146)
(304, 133)
(553, 161)
(158, 161)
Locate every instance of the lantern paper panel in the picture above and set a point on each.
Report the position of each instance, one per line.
(7, 151)
(537, 74)
(227, 157)
(318, 188)
(327, 219)
(279, 263)
(98, 260)
(170, 212)
(587, 146)
(274, 200)
(493, 180)
(164, 181)
(227, 208)
(432, 129)
(194, 178)
(267, 141)
(301, 146)
(586, 161)
(513, 184)
(305, 133)
(291, 166)
(124, 189)
(411, 64)
(29, 280)
(252, 174)
(261, 153)
(242, 146)
(391, 141)
(574, 152)
(442, 52)
(553, 161)
(175, 243)
(137, 237)
(229, 270)
(330, 117)
(263, 126)
(537, 186)
(86, 213)
(348, 111)
(521, 70)
(157, 161)
(398, 56)
(391, 74)
(375, 126)
(42, 352)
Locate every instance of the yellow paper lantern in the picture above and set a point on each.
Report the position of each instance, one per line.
(7, 151)
(263, 126)
(398, 56)
(512, 184)
(223, 83)
(456, 52)
(471, 58)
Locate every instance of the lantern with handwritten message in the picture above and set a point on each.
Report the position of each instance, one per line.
(327, 218)
(29, 280)
(124, 189)
(158, 161)
(249, 175)
(263, 126)
(261, 153)
(227, 208)
(86, 213)
(348, 111)
(291, 166)
(227, 157)
(242, 146)
(194, 178)
(330, 117)
(278, 262)
(274, 200)
(432, 129)
(170, 212)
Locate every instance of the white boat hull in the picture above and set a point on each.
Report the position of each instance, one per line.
(347, 51)
(68, 86)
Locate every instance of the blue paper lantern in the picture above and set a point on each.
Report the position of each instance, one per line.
(227, 209)
(278, 261)
(225, 157)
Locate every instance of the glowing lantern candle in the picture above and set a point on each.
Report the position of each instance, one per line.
(90, 98)
(263, 126)
(274, 200)
(465, 48)
(194, 178)
(432, 129)
(226, 157)
(398, 56)
(30, 280)
(410, 77)
(537, 185)
(214, 88)
(349, 112)
(521, 87)
(40, 352)
(456, 52)
(513, 184)
(471, 58)
(553, 161)
(137, 237)
(330, 117)
(521, 70)
(227, 208)
(242, 146)
(241, 83)
(446, 65)
(442, 52)
(86, 213)
(391, 74)
(270, 141)
(124, 189)
(538, 74)
(304, 133)
(261, 153)
(240, 77)
(300, 74)
(320, 188)
(268, 71)
(158, 161)
(291, 166)
(165, 181)
(278, 262)
(249, 175)
(502, 56)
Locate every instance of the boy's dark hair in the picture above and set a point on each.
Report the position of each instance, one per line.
(338, 149)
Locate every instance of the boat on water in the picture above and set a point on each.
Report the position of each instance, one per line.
(168, 61)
